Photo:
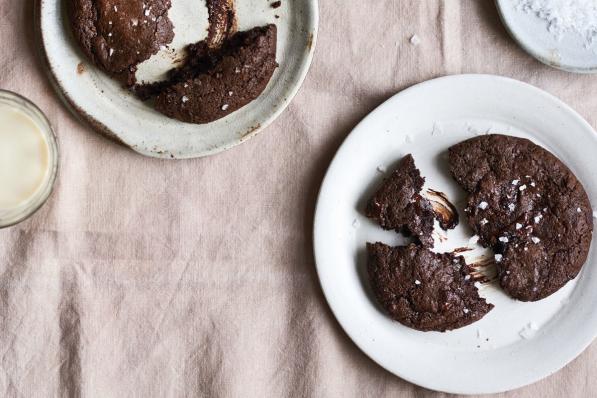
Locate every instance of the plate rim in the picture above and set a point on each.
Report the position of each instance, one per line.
(318, 249)
(500, 5)
(105, 131)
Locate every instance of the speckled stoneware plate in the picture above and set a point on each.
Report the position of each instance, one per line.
(113, 111)
(567, 52)
(516, 343)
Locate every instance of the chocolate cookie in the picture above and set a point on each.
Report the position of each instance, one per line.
(214, 83)
(118, 35)
(424, 290)
(529, 207)
(398, 204)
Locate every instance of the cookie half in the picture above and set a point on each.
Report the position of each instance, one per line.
(213, 83)
(117, 35)
(529, 207)
(424, 290)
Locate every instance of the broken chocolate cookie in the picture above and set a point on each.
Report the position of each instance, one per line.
(529, 207)
(118, 35)
(399, 205)
(424, 290)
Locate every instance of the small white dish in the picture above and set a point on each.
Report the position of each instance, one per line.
(516, 343)
(568, 52)
(116, 113)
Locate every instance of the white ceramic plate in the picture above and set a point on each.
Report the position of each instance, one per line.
(116, 113)
(490, 355)
(568, 52)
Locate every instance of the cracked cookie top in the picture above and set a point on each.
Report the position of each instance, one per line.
(529, 207)
(117, 35)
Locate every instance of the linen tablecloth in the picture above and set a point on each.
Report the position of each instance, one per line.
(151, 278)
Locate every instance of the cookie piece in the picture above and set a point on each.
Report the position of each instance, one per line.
(117, 35)
(424, 290)
(215, 83)
(529, 207)
(398, 204)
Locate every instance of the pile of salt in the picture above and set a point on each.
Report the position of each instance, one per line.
(565, 16)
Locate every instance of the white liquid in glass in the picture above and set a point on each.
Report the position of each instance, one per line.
(24, 158)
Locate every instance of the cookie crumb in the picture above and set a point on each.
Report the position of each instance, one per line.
(529, 330)
(437, 129)
(415, 40)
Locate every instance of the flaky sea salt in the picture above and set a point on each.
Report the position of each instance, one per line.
(578, 17)
(473, 240)
(529, 330)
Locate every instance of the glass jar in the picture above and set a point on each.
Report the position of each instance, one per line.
(40, 195)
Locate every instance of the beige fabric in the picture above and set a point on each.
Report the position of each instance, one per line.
(149, 278)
